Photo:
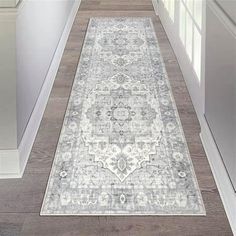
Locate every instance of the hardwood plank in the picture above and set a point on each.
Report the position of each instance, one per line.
(61, 226)
(112, 5)
(22, 195)
(11, 224)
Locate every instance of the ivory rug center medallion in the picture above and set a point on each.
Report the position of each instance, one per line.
(122, 150)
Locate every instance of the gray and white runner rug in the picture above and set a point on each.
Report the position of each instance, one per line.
(122, 150)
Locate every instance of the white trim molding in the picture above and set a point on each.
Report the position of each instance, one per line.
(13, 162)
(220, 174)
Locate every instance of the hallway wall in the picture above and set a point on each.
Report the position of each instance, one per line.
(8, 129)
(32, 39)
(39, 26)
(183, 23)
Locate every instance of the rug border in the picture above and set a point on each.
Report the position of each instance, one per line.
(203, 213)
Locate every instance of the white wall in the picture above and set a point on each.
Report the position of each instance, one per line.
(219, 132)
(33, 36)
(39, 26)
(220, 87)
(228, 6)
(183, 24)
(8, 129)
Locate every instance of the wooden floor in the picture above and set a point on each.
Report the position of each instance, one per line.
(20, 200)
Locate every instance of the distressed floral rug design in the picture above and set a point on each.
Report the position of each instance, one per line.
(122, 150)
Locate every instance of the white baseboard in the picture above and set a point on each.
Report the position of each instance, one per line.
(155, 6)
(9, 164)
(14, 161)
(221, 177)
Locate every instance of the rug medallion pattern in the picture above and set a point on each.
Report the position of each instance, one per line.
(122, 150)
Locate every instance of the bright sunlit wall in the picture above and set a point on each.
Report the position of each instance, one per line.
(188, 16)
(183, 23)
